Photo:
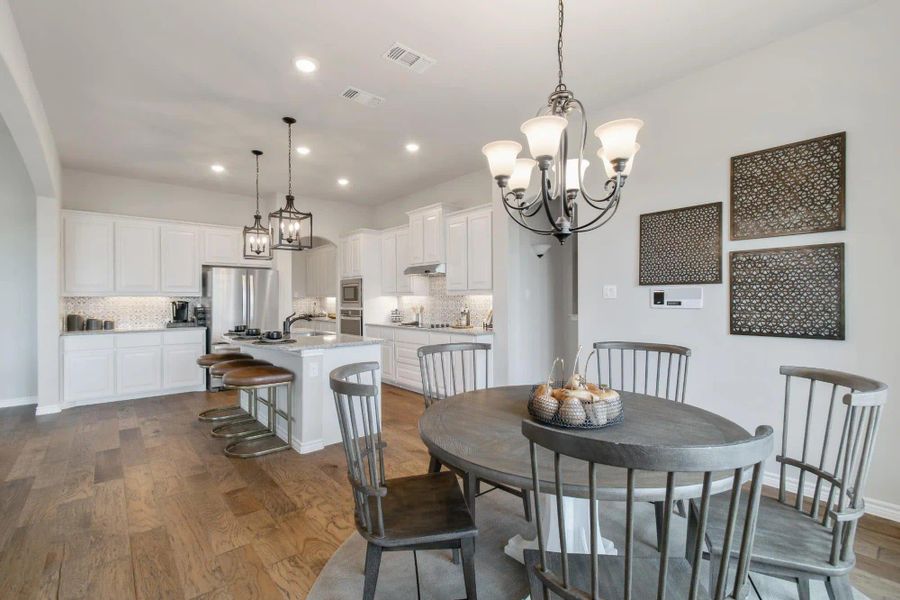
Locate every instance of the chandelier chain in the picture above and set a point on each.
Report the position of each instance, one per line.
(559, 47)
(290, 145)
(257, 184)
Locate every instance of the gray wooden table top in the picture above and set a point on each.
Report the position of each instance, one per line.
(481, 432)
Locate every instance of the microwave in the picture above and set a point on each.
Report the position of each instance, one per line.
(351, 293)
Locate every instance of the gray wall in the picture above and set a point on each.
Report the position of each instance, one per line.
(18, 294)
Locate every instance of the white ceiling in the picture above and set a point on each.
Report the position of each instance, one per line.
(161, 89)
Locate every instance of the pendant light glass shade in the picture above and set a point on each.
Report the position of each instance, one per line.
(291, 229)
(543, 134)
(608, 166)
(257, 239)
(521, 175)
(501, 156)
(618, 137)
(572, 173)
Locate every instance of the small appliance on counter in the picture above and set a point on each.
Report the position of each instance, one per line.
(396, 316)
(74, 323)
(201, 315)
(109, 325)
(181, 314)
(93, 325)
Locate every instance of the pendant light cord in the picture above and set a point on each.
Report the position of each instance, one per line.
(290, 144)
(257, 185)
(559, 47)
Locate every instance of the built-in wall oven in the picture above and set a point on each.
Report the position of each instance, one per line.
(351, 293)
(351, 321)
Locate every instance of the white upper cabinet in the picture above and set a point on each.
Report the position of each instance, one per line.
(318, 268)
(394, 260)
(389, 262)
(457, 253)
(351, 258)
(88, 250)
(137, 256)
(469, 251)
(416, 240)
(405, 283)
(426, 235)
(180, 260)
(222, 245)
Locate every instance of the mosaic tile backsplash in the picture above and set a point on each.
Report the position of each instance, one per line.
(129, 312)
(441, 307)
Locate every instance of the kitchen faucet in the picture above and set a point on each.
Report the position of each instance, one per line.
(290, 320)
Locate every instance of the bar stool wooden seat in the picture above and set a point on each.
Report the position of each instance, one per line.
(221, 413)
(245, 422)
(271, 378)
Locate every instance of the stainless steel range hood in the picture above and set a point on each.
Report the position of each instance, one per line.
(429, 270)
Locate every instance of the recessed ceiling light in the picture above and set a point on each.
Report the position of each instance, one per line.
(307, 65)
(302, 150)
(217, 168)
(412, 147)
(343, 181)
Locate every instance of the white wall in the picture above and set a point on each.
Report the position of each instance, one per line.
(840, 76)
(472, 189)
(18, 292)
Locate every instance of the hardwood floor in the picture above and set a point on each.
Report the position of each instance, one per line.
(136, 500)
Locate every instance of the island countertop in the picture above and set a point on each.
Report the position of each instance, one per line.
(317, 341)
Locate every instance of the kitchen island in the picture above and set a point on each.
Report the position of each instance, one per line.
(311, 357)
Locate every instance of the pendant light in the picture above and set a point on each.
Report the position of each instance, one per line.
(291, 229)
(257, 237)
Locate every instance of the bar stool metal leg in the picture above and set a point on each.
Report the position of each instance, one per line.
(267, 441)
(243, 427)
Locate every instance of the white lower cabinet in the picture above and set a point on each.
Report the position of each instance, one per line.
(105, 367)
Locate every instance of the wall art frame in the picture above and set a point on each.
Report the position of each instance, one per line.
(681, 246)
(789, 190)
(794, 292)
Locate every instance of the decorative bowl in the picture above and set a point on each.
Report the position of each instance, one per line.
(590, 415)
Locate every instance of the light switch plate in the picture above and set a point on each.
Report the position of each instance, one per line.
(610, 291)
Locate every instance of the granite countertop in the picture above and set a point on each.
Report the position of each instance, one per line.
(471, 331)
(319, 341)
(147, 330)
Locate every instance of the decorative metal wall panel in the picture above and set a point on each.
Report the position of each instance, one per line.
(682, 246)
(791, 189)
(789, 292)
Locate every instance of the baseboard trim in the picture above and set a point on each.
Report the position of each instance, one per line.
(47, 409)
(878, 508)
(20, 401)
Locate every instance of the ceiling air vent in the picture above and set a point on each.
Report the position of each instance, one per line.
(362, 97)
(407, 57)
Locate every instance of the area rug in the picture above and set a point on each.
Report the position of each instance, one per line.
(499, 577)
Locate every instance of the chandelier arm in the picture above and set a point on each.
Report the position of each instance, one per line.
(522, 223)
(547, 199)
(615, 191)
(595, 223)
(523, 206)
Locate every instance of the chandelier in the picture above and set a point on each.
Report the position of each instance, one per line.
(291, 228)
(561, 193)
(256, 237)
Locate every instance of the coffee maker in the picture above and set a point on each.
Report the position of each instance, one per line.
(180, 314)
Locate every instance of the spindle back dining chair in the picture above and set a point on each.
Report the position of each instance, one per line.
(594, 576)
(826, 459)
(659, 370)
(450, 369)
(406, 513)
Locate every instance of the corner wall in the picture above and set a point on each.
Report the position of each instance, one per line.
(840, 76)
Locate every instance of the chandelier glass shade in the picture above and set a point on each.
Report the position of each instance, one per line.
(257, 238)
(562, 206)
(291, 229)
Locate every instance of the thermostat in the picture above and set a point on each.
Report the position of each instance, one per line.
(684, 297)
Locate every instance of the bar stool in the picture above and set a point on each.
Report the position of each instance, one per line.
(245, 425)
(255, 378)
(221, 413)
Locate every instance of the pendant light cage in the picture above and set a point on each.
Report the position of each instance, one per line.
(291, 229)
(257, 237)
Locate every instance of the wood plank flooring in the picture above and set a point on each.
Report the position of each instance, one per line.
(136, 500)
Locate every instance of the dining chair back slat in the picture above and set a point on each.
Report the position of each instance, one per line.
(450, 369)
(840, 467)
(733, 462)
(654, 369)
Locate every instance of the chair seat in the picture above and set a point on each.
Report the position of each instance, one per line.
(208, 360)
(785, 538)
(423, 509)
(611, 575)
(257, 376)
(220, 368)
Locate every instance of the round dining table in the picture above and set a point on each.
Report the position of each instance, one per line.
(479, 435)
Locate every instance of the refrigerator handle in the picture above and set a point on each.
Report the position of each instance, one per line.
(244, 298)
(252, 303)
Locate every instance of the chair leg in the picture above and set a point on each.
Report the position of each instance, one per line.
(713, 574)
(470, 484)
(839, 588)
(468, 560)
(526, 502)
(659, 509)
(373, 563)
(691, 539)
(803, 588)
(434, 465)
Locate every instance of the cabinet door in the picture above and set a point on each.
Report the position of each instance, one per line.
(138, 370)
(222, 246)
(387, 361)
(137, 257)
(180, 260)
(88, 251)
(299, 270)
(345, 258)
(355, 258)
(480, 254)
(89, 375)
(312, 277)
(389, 263)
(330, 262)
(457, 251)
(404, 282)
(180, 366)
(416, 240)
(433, 237)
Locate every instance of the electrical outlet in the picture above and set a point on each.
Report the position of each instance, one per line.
(610, 291)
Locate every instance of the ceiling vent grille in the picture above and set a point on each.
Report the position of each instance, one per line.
(411, 59)
(362, 97)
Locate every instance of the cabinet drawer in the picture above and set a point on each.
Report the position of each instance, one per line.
(406, 355)
(137, 340)
(409, 376)
(194, 336)
(439, 338)
(384, 333)
(99, 341)
(412, 337)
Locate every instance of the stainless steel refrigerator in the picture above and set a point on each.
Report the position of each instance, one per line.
(239, 296)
